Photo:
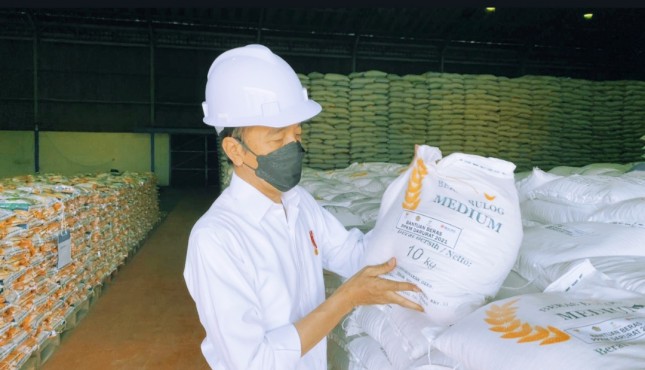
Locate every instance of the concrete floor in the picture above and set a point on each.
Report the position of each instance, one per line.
(145, 318)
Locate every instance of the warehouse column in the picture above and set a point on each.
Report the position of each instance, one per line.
(442, 53)
(354, 52)
(259, 37)
(526, 50)
(35, 86)
(152, 97)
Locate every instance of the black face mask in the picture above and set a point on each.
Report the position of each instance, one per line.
(282, 167)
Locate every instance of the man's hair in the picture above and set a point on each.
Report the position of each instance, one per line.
(234, 132)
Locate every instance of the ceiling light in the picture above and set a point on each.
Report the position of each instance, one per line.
(588, 16)
(490, 9)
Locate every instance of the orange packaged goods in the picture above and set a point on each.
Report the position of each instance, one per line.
(60, 237)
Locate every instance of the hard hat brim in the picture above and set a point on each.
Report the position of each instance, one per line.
(301, 113)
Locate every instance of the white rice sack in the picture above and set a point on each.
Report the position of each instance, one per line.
(593, 325)
(637, 166)
(547, 212)
(337, 356)
(607, 169)
(397, 333)
(637, 174)
(514, 285)
(627, 271)
(546, 245)
(367, 211)
(590, 189)
(564, 170)
(410, 326)
(435, 361)
(345, 215)
(366, 354)
(536, 178)
(454, 226)
(372, 186)
(348, 198)
(519, 176)
(316, 186)
(628, 212)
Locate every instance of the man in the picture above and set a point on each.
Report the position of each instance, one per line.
(255, 259)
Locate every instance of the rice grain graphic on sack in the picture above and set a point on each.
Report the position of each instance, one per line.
(502, 319)
(413, 192)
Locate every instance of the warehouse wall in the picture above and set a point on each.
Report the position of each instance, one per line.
(90, 88)
(70, 153)
(101, 88)
(16, 153)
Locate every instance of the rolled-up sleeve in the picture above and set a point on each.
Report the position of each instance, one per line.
(221, 283)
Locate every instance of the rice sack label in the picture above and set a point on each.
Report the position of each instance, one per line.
(454, 226)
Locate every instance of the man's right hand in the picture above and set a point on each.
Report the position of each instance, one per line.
(367, 287)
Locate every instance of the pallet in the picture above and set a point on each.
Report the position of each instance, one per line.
(44, 352)
(75, 317)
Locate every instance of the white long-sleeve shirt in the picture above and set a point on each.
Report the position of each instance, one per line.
(254, 268)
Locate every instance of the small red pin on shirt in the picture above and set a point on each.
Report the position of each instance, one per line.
(313, 241)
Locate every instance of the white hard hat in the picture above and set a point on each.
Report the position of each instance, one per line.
(249, 86)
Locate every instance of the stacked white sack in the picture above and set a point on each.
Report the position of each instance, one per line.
(595, 213)
(337, 340)
(626, 271)
(570, 198)
(366, 354)
(591, 189)
(397, 330)
(607, 169)
(547, 245)
(352, 194)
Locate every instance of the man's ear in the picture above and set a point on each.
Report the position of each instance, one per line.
(233, 150)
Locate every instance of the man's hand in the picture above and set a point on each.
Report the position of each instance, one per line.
(367, 287)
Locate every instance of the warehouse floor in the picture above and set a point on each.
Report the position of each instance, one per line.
(145, 318)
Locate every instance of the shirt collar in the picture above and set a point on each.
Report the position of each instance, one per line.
(255, 204)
